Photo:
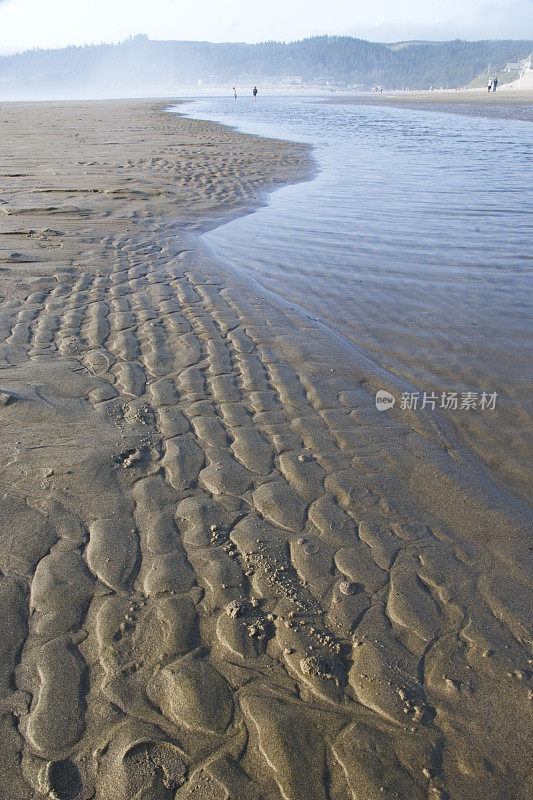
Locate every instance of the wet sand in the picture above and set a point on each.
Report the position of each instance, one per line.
(507, 102)
(503, 95)
(224, 573)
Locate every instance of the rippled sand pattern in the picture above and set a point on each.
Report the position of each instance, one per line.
(224, 573)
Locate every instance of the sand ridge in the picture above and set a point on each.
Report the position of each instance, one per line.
(224, 572)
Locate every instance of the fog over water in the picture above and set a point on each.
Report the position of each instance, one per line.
(413, 241)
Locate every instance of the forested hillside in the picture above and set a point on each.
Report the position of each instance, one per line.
(142, 65)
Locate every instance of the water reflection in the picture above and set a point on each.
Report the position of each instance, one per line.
(414, 241)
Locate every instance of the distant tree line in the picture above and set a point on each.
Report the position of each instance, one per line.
(342, 60)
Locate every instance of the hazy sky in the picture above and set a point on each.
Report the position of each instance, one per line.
(53, 23)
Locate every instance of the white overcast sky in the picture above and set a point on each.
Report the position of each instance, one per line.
(55, 23)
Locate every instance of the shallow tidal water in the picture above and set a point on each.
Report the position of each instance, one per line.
(414, 242)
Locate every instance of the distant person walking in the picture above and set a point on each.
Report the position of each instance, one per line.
(494, 84)
(234, 92)
(254, 92)
(489, 84)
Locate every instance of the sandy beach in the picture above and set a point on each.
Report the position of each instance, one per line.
(504, 96)
(508, 101)
(225, 573)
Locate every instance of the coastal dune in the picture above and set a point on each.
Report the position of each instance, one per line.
(224, 572)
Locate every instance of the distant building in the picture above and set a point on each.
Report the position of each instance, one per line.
(518, 66)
